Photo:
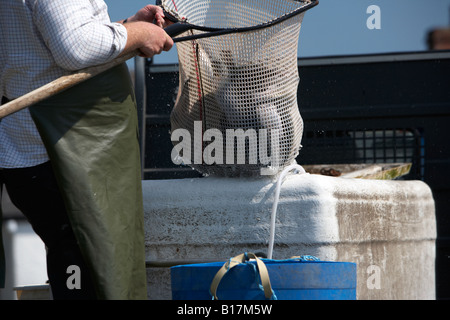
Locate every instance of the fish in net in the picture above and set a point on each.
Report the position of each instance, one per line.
(237, 96)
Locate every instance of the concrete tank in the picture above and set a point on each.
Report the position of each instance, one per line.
(387, 227)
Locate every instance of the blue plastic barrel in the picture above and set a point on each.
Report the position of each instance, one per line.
(290, 280)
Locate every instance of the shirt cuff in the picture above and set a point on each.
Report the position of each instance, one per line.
(120, 38)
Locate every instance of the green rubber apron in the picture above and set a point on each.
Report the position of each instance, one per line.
(91, 135)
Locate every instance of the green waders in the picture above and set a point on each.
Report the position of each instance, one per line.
(91, 135)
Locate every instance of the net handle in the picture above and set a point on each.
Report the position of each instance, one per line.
(56, 86)
(183, 26)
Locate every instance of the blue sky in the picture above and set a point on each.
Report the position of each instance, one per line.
(338, 27)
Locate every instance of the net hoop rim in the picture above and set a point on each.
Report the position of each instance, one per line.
(223, 31)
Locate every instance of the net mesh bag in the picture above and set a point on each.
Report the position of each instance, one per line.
(236, 111)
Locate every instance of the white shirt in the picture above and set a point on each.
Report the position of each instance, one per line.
(40, 41)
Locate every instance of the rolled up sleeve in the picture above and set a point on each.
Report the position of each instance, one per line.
(77, 33)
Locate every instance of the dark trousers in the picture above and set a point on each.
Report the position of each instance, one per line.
(34, 191)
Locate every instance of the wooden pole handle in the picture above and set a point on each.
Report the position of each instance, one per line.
(59, 85)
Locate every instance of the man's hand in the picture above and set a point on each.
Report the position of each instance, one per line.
(148, 38)
(146, 32)
(150, 13)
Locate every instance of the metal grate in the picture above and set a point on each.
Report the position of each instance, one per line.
(366, 146)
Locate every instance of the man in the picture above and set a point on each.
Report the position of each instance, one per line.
(71, 162)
